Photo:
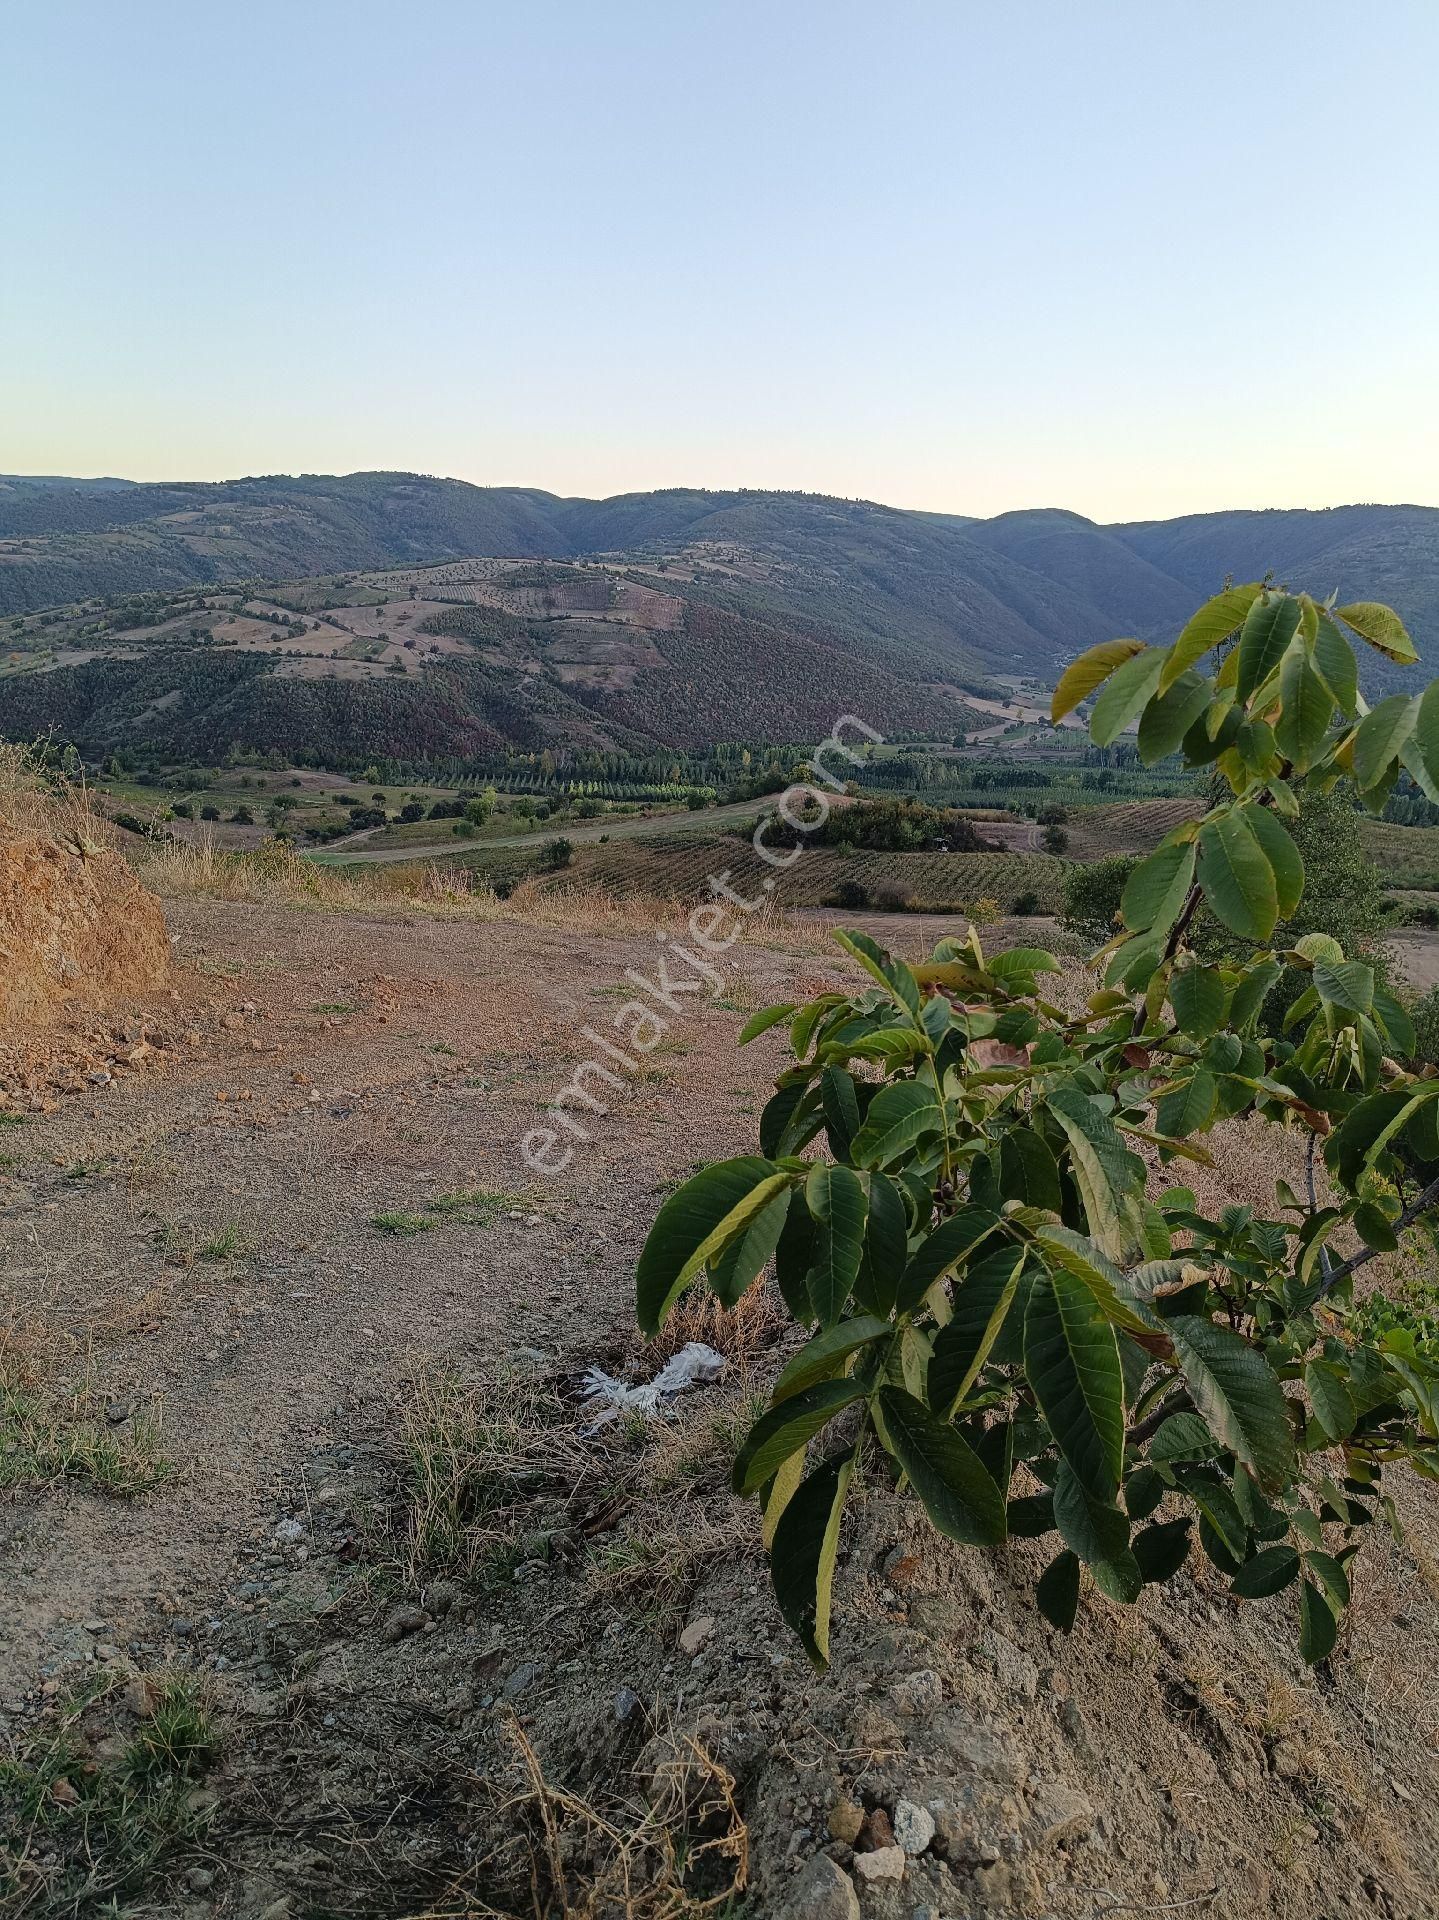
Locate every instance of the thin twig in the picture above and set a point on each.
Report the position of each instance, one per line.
(1426, 1203)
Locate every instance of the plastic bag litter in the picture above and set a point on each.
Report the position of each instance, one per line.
(693, 1366)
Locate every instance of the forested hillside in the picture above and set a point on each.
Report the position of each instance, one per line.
(745, 614)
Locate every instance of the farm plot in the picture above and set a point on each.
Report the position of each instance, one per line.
(1405, 856)
(822, 876)
(1128, 826)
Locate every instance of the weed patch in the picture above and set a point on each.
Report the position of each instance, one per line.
(87, 1819)
(45, 1439)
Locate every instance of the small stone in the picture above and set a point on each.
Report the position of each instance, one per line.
(117, 1412)
(696, 1635)
(441, 1596)
(918, 1694)
(877, 1831)
(913, 1827)
(846, 1818)
(823, 1891)
(627, 1704)
(901, 1568)
(199, 1879)
(1287, 1759)
(1062, 1814)
(883, 1864)
(403, 1622)
(287, 1532)
(523, 1676)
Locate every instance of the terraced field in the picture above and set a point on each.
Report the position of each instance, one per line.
(679, 867)
(1129, 826)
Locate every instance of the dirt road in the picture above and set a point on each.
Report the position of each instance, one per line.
(678, 820)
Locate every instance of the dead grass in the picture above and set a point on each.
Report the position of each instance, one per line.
(276, 875)
(480, 1463)
(34, 801)
(675, 1848)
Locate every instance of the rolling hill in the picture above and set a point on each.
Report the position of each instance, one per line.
(785, 606)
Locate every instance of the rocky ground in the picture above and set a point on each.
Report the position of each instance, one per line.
(460, 1654)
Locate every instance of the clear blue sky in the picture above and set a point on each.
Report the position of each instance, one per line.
(1130, 256)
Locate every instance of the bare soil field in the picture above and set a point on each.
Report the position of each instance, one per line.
(467, 1656)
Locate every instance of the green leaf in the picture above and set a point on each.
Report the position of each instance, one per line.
(1381, 737)
(1057, 1593)
(841, 1109)
(1382, 628)
(899, 1115)
(1331, 1399)
(784, 1429)
(1232, 1386)
(744, 1259)
(1281, 853)
(1156, 890)
(1318, 1626)
(1200, 1000)
(802, 1557)
(827, 1352)
(1071, 1361)
(1129, 689)
(1161, 1550)
(1183, 1436)
(838, 1206)
(959, 1493)
(886, 1247)
(1098, 1531)
(695, 1224)
(1114, 1294)
(1421, 750)
(777, 1495)
(1270, 1571)
(1347, 985)
(1090, 670)
(1187, 1108)
(762, 1021)
(1028, 1171)
(1215, 621)
(1397, 1027)
(1357, 1139)
(1308, 708)
(950, 1242)
(981, 1304)
(1168, 717)
(1236, 877)
(1104, 1172)
(1269, 626)
(893, 975)
(1334, 657)
(1250, 994)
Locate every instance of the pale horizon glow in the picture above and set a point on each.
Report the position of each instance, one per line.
(1128, 260)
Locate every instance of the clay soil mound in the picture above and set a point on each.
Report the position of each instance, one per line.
(76, 929)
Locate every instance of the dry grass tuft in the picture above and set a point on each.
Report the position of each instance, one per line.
(477, 1460)
(33, 800)
(677, 1850)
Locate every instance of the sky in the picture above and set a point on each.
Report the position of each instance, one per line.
(1135, 259)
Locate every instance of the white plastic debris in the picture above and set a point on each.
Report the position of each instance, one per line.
(693, 1366)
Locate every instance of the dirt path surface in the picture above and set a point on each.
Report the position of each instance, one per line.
(412, 1597)
(338, 1069)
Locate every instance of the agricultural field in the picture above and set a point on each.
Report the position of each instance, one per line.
(678, 866)
(1127, 826)
(1407, 857)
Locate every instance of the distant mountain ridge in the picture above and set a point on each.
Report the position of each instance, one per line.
(926, 595)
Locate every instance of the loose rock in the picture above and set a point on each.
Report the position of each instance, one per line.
(884, 1864)
(824, 1891)
(913, 1826)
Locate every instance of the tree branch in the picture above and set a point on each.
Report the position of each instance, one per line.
(1426, 1203)
(1146, 1428)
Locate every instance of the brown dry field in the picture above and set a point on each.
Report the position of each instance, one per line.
(329, 1068)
